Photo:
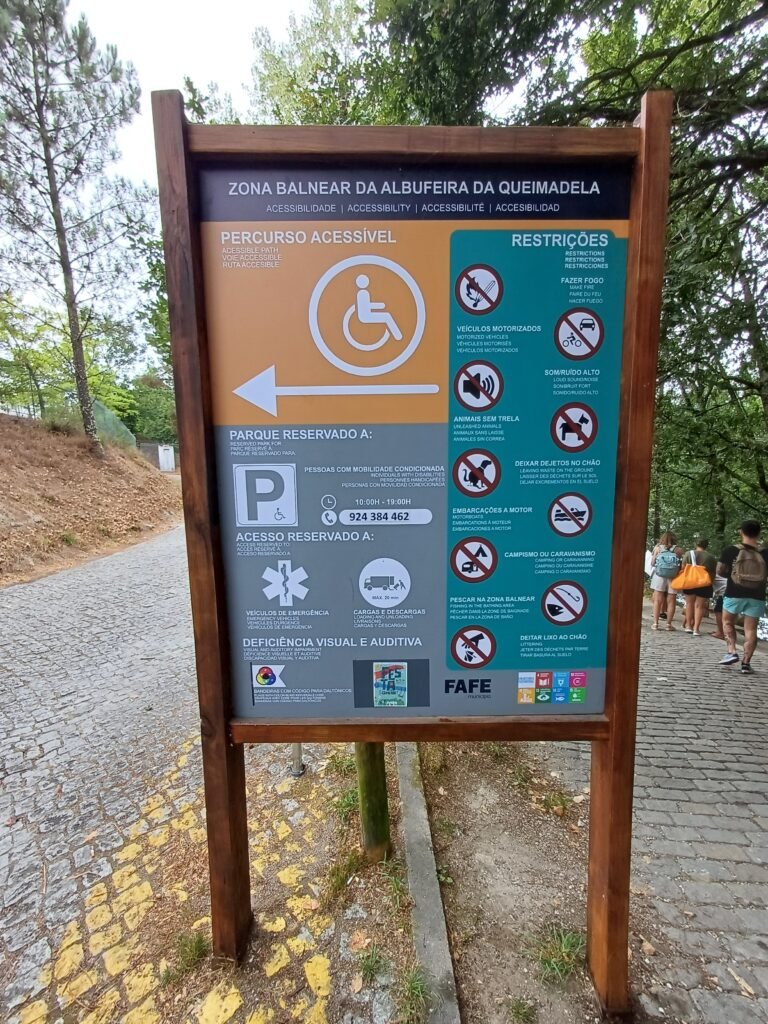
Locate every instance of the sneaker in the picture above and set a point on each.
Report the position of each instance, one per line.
(687, 630)
(729, 659)
(694, 633)
(746, 669)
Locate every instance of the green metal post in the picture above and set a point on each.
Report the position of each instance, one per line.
(374, 807)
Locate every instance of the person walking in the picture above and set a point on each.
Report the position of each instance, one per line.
(745, 568)
(665, 565)
(697, 598)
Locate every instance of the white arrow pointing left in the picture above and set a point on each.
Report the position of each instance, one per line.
(262, 390)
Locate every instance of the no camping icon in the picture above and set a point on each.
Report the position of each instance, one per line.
(474, 559)
(579, 333)
(573, 427)
(473, 646)
(564, 603)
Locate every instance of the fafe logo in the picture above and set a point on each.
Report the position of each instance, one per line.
(266, 676)
(471, 687)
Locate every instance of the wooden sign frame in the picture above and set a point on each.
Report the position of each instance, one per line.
(181, 149)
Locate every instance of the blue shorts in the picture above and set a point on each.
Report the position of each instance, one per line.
(744, 606)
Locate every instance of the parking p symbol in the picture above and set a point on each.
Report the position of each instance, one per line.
(265, 495)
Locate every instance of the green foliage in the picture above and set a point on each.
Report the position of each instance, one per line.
(154, 417)
(342, 762)
(191, 949)
(346, 803)
(522, 1011)
(443, 875)
(412, 996)
(559, 952)
(64, 216)
(556, 800)
(393, 872)
(335, 68)
(371, 964)
(339, 873)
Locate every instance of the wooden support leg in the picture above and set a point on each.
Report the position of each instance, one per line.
(374, 806)
(227, 823)
(610, 847)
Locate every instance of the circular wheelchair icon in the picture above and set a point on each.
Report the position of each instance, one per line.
(368, 310)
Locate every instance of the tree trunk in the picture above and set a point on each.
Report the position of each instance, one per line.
(73, 318)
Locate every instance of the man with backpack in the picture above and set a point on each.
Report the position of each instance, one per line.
(746, 571)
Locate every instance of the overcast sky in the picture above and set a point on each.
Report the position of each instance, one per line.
(168, 39)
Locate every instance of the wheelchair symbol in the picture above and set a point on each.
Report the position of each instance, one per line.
(369, 313)
(365, 311)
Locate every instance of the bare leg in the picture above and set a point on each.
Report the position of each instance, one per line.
(729, 628)
(690, 612)
(670, 608)
(719, 634)
(750, 637)
(658, 602)
(698, 613)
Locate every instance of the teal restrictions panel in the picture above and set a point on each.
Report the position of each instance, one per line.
(536, 342)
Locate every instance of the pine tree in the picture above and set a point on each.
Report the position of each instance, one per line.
(61, 103)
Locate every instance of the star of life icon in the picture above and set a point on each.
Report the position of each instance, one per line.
(285, 582)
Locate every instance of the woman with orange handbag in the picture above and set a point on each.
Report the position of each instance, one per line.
(696, 580)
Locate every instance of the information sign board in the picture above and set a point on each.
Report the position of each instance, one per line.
(405, 359)
(415, 372)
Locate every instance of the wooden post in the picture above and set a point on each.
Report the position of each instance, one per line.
(613, 758)
(223, 764)
(374, 806)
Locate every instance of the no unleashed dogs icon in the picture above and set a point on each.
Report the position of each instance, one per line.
(573, 427)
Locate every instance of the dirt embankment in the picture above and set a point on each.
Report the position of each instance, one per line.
(58, 503)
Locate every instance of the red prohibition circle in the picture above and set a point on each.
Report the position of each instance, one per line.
(482, 659)
(492, 399)
(564, 583)
(460, 552)
(590, 348)
(462, 462)
(561, 412)
(492, 304)
(559, 501)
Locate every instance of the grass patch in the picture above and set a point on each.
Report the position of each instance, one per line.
(395, 878)
(447, 828)
(371, 964)
(443, 876)
(498, 751)
(521, 1011)
(558, 952)
(342, 763)
(68, 538)
(412, 996)
(191, 949)
(346, 803)
(433, 758)
(556, 801)
(339, 874)
(522, 775)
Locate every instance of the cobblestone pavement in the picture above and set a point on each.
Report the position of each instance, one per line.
(701, 826)
(101, 786)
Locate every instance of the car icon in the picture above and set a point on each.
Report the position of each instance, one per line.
(587, 324)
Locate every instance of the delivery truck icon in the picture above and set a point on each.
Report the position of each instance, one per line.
(383, 583)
